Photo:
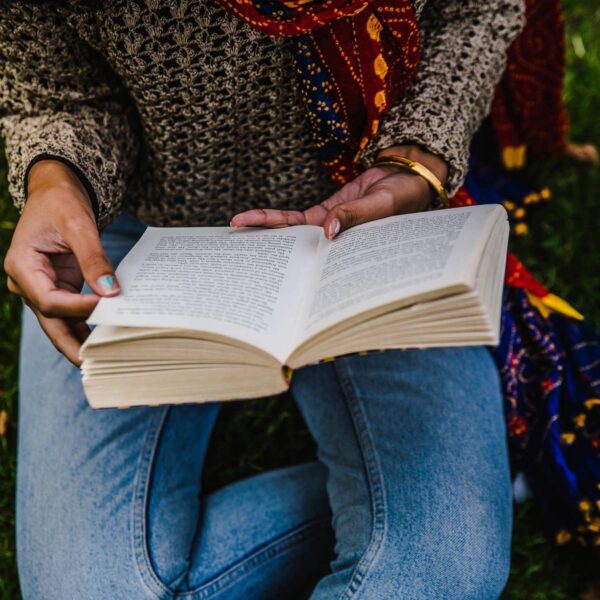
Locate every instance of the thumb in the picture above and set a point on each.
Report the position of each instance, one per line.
(97, 271)
(376, 205)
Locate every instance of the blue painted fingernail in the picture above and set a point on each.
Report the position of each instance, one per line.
(107, 284)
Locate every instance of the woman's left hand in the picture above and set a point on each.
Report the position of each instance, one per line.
(376, 193)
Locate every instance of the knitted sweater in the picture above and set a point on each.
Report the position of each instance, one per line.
(182, 114)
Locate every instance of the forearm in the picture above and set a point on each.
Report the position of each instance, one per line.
(60, 101)
(463, 56)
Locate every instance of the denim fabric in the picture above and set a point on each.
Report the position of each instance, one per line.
(410, 497)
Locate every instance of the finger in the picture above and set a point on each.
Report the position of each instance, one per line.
(315, 215)
(68, 305)
(390, 196)
(63, 336)
(12, 286)
(268, 217)
(33, 279)
(80, 330)
(84, 240)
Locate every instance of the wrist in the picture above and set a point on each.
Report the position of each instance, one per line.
(434, 163)
(49, 174)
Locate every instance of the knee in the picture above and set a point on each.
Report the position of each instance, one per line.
(477, 572)
(473, 567)
(452, 562)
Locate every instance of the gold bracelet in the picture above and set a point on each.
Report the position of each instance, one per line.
(394, 160)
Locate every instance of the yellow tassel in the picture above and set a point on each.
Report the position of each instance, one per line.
(553, 303)
(537, 302)
(513, 157)
(559, 305)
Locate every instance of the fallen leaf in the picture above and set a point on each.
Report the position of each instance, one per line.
(592, 592)
(3, 421)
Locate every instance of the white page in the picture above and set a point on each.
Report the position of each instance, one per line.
(390, 259)
(245, 283)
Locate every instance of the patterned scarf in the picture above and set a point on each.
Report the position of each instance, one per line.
(354, 60)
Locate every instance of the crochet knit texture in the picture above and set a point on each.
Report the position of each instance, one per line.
(182, 114)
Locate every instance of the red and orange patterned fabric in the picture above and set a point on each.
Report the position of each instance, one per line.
(354, 58)
(528, 114)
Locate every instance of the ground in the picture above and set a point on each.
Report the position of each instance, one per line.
(561, 249)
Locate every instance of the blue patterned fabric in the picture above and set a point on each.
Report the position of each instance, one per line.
(550, 370)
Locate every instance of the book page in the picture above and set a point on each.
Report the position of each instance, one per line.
(244, 283)
(394, 258)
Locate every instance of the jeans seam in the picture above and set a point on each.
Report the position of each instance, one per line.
(140, 503)
(140, 540)
(255, 559)
(378, 502)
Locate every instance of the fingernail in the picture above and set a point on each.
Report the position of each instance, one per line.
(107, 285)
(334, 228)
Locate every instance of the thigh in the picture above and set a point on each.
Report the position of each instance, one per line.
(419, 485)
(82, 473)
(80, 470)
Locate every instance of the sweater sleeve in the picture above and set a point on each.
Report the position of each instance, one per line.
(60, 100)
(463, 55)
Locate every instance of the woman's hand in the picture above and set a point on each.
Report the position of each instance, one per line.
(55, 247)
(377, 193)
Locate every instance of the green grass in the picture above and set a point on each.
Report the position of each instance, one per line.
(562, 249)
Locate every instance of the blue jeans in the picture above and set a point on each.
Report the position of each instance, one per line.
(410, 496)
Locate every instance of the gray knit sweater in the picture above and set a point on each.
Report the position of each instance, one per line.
(182, 114)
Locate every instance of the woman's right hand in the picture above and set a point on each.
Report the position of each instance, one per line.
(54, 249)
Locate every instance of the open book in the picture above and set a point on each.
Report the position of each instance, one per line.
(215, 313)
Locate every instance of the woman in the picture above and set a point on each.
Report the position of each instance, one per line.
(186, 113)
